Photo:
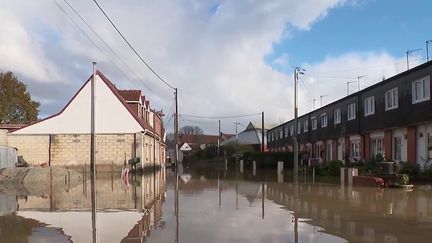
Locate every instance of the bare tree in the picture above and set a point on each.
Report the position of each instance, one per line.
(194, 130)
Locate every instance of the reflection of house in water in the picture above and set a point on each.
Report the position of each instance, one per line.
(125, 212)
(365, 214)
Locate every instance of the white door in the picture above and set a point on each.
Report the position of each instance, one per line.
(421, 152)
(341, 149)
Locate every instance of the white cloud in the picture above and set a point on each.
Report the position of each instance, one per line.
(213, 51)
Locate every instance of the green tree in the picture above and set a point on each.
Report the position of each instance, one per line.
(16, 105)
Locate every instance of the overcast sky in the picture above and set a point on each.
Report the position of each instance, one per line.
(226, 57)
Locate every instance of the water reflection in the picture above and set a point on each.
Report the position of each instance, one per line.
(208, 205)
(108, 210)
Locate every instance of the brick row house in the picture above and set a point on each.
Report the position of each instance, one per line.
(392, 118)
(125, 127)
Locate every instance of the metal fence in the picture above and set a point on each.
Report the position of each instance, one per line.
(8, 157)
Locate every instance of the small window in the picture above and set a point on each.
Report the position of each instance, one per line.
(314, 123)
(323, 119)
(291, 130)
(305, 125)
(281, 133)
(351, 111)
(286, 132)
(337, 116)
(369, 106)
(298, 128)
(397, 148)
(391, 99)
(421, 90)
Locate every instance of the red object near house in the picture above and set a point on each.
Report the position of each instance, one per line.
(368, 181)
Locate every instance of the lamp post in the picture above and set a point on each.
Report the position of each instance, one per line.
(297, 71)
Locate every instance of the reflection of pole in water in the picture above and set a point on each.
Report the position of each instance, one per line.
(93, 203)
(176, 205)
(295, 228)
(219, 191)
(237, 195)
(262, 200)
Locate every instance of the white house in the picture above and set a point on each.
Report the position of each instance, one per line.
(125, 128)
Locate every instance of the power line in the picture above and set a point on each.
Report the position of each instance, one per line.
(133, 49)
(88, 37)
(106, 44)
(220, 117)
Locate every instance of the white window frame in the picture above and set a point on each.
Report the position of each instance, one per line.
(314, 122)
(291, 130)
(281, 134)
(351, 114)
(305, 125)
(298, 127)
(286, 132)
(397, 148)
(369, 106)
(324, 120)
(377, 146)
(337, 116)
(391, 99)
(423, 92)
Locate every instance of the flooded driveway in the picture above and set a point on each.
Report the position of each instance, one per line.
(209, 205)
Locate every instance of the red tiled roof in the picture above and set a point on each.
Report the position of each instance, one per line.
(198, 139)
(130, 95)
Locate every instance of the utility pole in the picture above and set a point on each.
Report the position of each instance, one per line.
(321, 98)
(219, 138)
(427, 49)
(92, 121)
(297, 72)
(92, 154)
(176, 129)
(409, 52)
(262, 132)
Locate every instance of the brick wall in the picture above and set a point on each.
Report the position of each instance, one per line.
(33, 148)
(67, 149)
(74, 149)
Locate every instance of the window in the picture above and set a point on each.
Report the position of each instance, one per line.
(319, 151)
(305, 125)
(391, 99)
(298, 128)
(286, 132)
(355, 149)
(337, 116)
(323, 119)
(421, 90)
(369, 106)
(314, 123)
(281, 134)
(397, 148)
(351, 111)
(291, 130)
(377, 146)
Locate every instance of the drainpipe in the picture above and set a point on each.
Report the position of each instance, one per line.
(142, 148)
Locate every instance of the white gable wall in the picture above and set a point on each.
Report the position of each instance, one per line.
(111, 116)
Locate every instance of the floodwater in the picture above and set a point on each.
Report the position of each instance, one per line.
(211, 205)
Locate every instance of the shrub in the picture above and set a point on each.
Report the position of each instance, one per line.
(333, 167)
(409, 169)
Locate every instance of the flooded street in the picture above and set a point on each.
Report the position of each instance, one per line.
(207, 205)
